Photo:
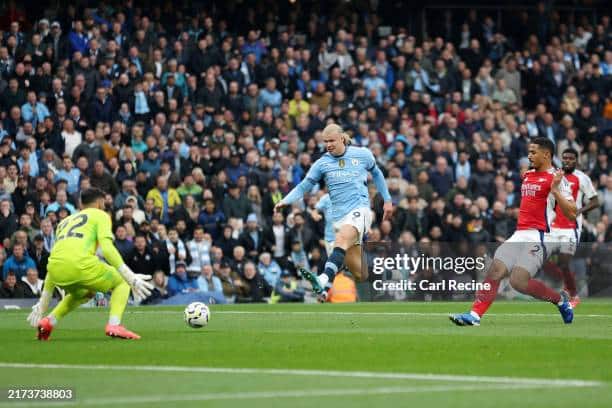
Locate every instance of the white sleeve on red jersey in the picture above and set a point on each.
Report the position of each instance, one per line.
(586, 185)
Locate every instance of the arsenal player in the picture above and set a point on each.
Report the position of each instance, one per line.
(522, 255)
(565, 234)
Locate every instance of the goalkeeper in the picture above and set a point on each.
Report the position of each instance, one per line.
(74, 267)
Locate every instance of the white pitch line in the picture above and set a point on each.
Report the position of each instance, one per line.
(148, 399)
(318, 373)
(417, 314)
(413, 314)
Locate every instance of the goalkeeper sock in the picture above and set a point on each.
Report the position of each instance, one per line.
(334, 263)
(52, 320)
(118, 300)
(114, 320)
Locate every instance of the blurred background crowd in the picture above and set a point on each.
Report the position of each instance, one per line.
(197, 118)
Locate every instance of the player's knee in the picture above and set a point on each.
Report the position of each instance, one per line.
(498, 271)
(519, 279)
(346, 237)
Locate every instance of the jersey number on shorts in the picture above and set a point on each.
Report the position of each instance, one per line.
(80, 220)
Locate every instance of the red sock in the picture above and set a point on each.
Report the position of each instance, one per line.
(569, 279)
(485, 298)
(553, 270)
(539, 290)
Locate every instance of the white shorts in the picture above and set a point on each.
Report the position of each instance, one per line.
(524, 249)
(562, 240)
(360, 218)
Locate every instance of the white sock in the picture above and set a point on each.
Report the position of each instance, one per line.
(323, 280)
(52, 320)
(114, 321)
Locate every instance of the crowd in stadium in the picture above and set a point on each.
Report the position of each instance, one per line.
(196, 122)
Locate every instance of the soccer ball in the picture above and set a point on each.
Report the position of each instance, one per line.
(197, 315)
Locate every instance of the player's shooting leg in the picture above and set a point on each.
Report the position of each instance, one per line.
(346, 237)
(353, 261)
(76, 296)
(521, 280)
(486, 297)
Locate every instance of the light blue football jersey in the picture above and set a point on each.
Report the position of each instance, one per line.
(346, 177)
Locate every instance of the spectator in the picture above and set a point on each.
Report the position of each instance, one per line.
(124, 245)
(61, 202)
(211, 219)
(199, 248)
(300, 232)
(40, 256)
(78, 39)
(503, 95)
(442, 177)
(8, 220)
(257, 287)
(144, 260)
(189, 187)
(270, 97)
(71, 137)
(236, 204)
(160, 289)
(252, 238)
(11, 289)
(233, 284)
(180, 282)
(47, 234)
(34, 111)
(269, 269)
(287, 290)
(18, 263)
(31, 284)
(207, 282)
(164, 198)
(177, 250)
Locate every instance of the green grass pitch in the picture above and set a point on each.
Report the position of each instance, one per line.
(359, 355)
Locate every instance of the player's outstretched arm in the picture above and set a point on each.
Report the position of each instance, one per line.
(563, 196)
(311, 179)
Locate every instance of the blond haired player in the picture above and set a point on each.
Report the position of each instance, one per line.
(344, 168)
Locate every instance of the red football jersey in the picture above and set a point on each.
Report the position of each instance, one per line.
(537, 208)
(581, 187)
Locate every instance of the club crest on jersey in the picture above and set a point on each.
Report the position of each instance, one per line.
(341, 163)
(355, 162)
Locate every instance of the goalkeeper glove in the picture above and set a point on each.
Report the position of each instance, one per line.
(141, 288)
(39, 309)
